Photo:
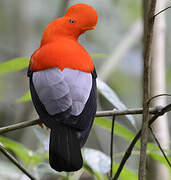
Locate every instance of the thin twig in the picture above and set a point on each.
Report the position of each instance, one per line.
(156, 111)
(98, 114)
(111, 147)
(126, 112)
(14, 161)
(19, 126)
(127, 155)
(161, 149)
(131, 146)
(161, 11)
(159, 95)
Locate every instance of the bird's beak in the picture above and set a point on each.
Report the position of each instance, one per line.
(89, 28)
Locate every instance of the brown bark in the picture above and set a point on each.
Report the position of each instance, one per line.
(148, 24)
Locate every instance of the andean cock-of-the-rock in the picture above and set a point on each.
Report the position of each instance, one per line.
(63, 86)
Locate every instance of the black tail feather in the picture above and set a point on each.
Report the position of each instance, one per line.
(64, 149)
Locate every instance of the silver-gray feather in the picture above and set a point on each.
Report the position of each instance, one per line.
(52, 90)
(59, 90)
(80, 84)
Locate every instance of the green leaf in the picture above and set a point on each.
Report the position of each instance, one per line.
(160, 158)
(27, 156)
(126, 174)
(152, 147)
(26, 97)
(13, 65)
(20, 63)
(122, 132)
(112, 97)
(118, 130)
(92, 165)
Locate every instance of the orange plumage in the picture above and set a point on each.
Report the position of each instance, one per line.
(59, 45)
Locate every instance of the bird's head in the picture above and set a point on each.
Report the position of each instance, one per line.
(83, 16)
(78, 19)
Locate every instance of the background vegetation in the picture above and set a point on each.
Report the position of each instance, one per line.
(116, 47)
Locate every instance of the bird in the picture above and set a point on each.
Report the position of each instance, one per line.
(62, 81)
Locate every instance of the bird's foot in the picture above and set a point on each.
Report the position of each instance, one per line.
(42, 126)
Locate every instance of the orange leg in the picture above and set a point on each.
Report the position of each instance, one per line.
(42, 126)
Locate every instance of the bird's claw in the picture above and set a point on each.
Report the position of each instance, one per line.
(42, 126)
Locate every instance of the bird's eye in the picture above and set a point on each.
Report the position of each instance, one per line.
(71, 21)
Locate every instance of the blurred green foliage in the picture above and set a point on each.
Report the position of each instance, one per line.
(13, 65)
(126, 85)
(131, 9)
(32, 158)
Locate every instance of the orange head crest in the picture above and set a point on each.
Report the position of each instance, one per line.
(83, 15)
(78, 19)
(59, 46)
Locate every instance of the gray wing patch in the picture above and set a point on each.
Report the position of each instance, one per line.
(53, 91)
(59, 90)
(80, 84)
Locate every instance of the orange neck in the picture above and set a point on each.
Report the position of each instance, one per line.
(62, 53)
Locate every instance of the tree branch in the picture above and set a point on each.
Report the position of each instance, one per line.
(19, 126)
(111, 147)
(148, 36)
(127, 112)
(14, 161)
(98, 114)
(157, 111)
(156, 96)
(158, 144)
(131, 146)
(161, 11)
